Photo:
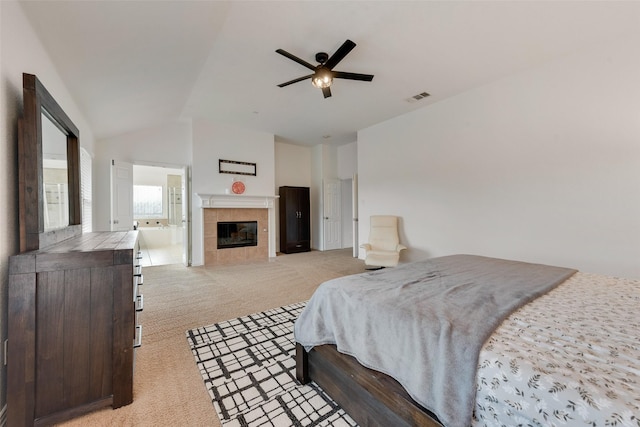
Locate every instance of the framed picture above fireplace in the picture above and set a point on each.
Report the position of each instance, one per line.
(236, 168)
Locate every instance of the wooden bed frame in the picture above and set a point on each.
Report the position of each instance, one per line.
(371, 398)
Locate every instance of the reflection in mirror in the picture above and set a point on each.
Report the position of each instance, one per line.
(55, 181)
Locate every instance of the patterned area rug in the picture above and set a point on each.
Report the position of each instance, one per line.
(248, 367)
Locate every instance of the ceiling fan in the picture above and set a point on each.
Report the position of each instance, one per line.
(323, 73)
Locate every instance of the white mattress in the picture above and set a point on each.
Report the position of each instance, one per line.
(569, 358)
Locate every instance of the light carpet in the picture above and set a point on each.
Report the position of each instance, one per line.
(248, 367)
(167, 389)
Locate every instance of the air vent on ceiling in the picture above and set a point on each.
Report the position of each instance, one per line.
(418, 97)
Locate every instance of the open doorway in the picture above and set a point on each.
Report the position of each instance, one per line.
(159, 213)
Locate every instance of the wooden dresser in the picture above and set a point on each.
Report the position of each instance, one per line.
(73, 324)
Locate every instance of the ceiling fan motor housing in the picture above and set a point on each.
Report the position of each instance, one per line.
(322, 57)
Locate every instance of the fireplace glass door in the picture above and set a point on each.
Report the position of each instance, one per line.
(237, 234)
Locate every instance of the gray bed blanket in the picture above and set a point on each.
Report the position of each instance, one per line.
(424, 323)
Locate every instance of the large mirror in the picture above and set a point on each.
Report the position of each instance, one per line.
(49, 170)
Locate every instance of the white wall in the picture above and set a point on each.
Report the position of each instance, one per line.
(21, 52)
(315, 195)
(308, 167)
(153, 175)
(543, 166)
(199, 144)
(165, 145)
(293, 165)
(214, 141)
(347, 161)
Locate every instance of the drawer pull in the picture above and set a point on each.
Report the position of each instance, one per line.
(139, 303)
(138, 341)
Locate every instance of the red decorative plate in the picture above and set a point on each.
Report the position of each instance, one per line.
(237, 187)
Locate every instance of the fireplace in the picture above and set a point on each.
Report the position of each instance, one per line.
(237, 234)
(228, 235)
(227, 208)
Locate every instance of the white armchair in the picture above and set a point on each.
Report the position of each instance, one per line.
(383, 249)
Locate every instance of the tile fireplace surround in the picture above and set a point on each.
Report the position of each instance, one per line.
(224, 207)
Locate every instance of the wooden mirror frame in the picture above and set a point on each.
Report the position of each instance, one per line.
(38, 101)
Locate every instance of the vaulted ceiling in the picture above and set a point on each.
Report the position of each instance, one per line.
(132, 65)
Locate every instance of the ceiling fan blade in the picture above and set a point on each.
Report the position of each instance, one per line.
(352, 76)
(295, 58)
(326, 91)
(299, 79)
(340, 54)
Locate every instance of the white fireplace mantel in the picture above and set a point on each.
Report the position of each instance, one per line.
(236, 201)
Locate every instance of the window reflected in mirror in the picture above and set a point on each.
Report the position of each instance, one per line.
(55, 178)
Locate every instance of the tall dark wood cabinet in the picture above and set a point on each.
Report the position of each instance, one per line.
(295, 221)
(73, 327)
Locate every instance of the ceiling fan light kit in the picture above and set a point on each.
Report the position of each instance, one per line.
(323, 73)
(322, 78)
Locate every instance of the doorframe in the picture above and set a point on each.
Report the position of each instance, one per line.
(187, 252)
(187, 255)
(114, 176)
(346, 197)
(354, 214)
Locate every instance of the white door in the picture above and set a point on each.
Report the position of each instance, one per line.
(354, 210)
(121, 196)
(186, 223)
(332, 215)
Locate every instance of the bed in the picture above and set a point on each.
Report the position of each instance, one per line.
(565, 351)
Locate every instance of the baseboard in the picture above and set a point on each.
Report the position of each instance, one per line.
(3, 416)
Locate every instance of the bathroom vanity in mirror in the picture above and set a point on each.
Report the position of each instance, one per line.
(74, 301)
